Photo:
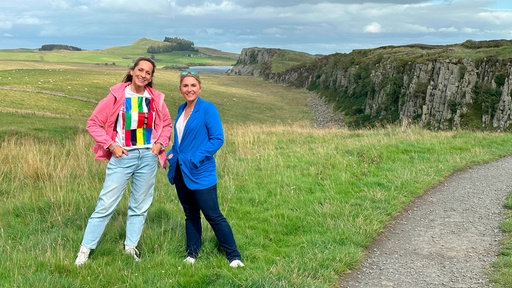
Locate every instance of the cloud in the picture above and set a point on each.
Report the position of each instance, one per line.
(314, 26)
(497, 17)
(29, 20)
(373, 27)
(448, 29)
(470, 30)
(5, 25)
(60, 4)
(290, 3)
(209, 8)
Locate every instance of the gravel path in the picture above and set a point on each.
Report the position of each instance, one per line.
(446, 238)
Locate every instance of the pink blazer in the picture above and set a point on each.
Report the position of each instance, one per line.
(101, 123)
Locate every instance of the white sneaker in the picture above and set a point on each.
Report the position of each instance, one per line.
(236, 263)
(83, 255)
(132, 251)
(190, 260)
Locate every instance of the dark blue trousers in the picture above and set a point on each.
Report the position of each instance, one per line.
(205, 201)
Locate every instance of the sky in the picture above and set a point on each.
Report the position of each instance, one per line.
(312, 26)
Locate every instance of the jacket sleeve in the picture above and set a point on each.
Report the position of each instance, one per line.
(215, 136)
(166, 122)
(99, 125)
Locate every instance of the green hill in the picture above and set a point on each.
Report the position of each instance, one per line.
(124, 56)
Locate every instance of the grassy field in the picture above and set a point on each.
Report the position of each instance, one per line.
(303, 203)
(122, 56)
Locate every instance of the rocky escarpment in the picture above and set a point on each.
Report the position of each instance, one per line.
(254, 62)
(429, 86)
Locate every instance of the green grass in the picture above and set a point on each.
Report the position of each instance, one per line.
(285, 59)
(123, 56)
(304, 203)
(239, 99)
(501, 272)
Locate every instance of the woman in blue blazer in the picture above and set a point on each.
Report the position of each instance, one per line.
(198, 134)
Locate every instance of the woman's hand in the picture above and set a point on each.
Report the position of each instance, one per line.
(157, 148)
(118, 151)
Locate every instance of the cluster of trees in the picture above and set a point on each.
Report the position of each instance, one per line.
(172, 44)
(50, 47)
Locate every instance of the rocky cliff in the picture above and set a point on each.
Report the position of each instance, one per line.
(439, 87)
(254, 62)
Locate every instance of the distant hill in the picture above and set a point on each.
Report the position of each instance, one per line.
(51, 47)
(147, 42)
(123, 55)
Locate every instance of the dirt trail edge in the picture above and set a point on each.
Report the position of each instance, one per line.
(446, 238)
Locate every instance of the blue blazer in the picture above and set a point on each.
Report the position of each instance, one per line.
(202, 137)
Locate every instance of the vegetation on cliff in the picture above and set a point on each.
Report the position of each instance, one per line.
(441, 87)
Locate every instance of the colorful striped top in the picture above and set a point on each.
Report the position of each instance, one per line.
(135, 121)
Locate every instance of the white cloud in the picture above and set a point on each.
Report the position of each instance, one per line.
(497, 17)
(414, 28)
(208, 8)
(5, 25)
(448, 29)
(470, 30)
(60, 4)
(373, 27)
(28, 20)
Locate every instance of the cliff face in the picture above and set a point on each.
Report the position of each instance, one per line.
(254, 62)
(377, 88)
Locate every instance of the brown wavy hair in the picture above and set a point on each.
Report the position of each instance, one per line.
(128, 77)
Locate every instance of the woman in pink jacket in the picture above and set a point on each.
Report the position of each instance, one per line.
(131, 127)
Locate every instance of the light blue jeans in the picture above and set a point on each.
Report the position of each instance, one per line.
(140, 165)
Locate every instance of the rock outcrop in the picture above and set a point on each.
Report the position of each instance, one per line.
(430, 86)
(254, 62)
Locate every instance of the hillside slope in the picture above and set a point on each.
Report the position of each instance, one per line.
(125, 55)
